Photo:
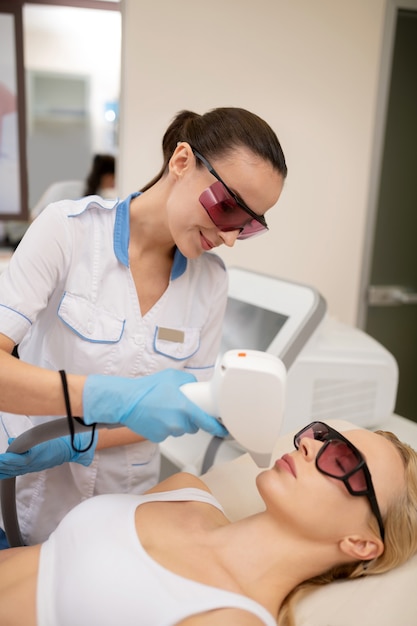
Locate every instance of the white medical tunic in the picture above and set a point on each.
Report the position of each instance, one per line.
(69, 301)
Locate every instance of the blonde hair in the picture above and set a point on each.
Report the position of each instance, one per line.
(400, 542)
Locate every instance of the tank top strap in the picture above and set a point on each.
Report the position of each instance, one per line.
(185, 494)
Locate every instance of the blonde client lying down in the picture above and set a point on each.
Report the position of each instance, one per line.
(337, 506)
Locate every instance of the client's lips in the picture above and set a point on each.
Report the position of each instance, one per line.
(286, 462)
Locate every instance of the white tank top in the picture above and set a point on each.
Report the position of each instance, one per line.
(94, 571)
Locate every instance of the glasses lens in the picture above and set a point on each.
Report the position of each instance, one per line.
(316, 430)
(338, 459)
(226, 214)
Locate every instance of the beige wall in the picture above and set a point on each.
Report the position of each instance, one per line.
(311, 69)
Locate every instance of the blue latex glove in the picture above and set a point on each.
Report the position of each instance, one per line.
(152, 406)
(47, 454)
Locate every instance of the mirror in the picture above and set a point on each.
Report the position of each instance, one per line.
(72, 66)
(72, 82)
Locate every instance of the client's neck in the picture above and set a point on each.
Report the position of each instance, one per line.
(269, 561)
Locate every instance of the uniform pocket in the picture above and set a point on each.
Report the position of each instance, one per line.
(88, 321)
(176, 343)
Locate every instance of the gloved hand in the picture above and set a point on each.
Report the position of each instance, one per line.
(46, 455)
(152, 406)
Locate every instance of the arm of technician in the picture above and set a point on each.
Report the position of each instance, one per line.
(151, 406)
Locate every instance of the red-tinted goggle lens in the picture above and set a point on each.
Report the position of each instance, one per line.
(338, 457)
(339, 460)
(227, 214)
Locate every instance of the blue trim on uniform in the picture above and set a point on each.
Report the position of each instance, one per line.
(171, 356)
(122, 230)
(4, 544)
(76, 332)
(122, 234)
(18, 312)
(201, 367)
(179, 266)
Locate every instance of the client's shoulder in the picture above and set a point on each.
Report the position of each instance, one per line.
(182, 480)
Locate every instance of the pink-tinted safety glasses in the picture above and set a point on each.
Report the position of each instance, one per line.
(340, 459)
(226, 210)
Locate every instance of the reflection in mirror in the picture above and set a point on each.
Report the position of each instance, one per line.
(72, 70)
(72, 62)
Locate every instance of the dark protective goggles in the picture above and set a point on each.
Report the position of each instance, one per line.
(226, 210)
(340, 459)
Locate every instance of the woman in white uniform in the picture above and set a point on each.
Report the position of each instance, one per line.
(123, 297)
(176, 560)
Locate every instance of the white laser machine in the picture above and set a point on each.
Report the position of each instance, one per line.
(334, 371)
(247, 394)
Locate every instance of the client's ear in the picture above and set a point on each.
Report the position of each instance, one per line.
(361, 548)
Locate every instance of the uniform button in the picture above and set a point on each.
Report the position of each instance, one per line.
(138, 339)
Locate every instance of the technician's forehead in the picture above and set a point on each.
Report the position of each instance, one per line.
(251, 177)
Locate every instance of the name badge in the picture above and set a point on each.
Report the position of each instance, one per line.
(171, 334)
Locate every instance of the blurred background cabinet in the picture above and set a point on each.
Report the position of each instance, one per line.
(58, 128)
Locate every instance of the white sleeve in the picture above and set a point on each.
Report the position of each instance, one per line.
(36, 268)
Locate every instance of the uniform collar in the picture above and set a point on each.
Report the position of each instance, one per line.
(122, 233)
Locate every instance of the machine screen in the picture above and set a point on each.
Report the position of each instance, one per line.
(249, 327)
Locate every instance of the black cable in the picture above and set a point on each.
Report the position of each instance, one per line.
(70, 417)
